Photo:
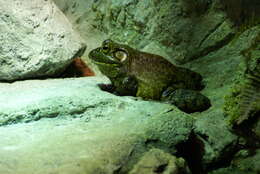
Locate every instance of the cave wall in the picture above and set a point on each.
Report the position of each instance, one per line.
(180, 30)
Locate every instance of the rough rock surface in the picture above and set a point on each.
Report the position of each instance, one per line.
(220, 69)
(218, 141)
(245, 161)
(36, 39)
(157, 161)
(90, 131)
(180, 30)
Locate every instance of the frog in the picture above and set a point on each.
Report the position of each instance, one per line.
(149, 76)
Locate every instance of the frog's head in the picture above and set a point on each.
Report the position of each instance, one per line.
(110, 57)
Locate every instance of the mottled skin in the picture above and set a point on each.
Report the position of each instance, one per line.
(142, 74)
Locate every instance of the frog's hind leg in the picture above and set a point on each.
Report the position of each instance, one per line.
(186, 100)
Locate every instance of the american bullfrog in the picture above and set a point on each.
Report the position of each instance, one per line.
(149, 76)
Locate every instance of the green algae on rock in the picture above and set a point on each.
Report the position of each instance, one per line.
(149, 76)
(244, 100)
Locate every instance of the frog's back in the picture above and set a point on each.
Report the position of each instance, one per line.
(156, 69)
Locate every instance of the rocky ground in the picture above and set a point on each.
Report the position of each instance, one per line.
(71, 126)
(76, 128)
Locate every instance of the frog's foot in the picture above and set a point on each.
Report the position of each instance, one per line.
(113, 90)
(188, 101)
(107, 87)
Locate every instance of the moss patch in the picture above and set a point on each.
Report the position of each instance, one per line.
(232, 100)
(246, 86)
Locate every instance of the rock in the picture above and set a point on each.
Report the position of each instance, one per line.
(215, 135)
(180, 30)
(217, 139)
(36, 40)
(71, 126)
(245, 161)
(222, 34)
(157, 161)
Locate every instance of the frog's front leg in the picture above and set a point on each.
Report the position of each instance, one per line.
(187, 100)
(122, 86)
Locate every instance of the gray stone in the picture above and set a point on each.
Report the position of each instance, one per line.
(71, 126)
(36, 40)
(158, 161)
(217, 139)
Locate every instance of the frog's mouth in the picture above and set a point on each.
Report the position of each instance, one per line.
(100, 58)
(106, 64)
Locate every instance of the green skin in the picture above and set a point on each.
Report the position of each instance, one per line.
(141, 74)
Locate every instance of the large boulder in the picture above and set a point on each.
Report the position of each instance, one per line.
(71, 126)
(36, 40)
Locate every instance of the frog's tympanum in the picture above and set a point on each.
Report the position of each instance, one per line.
(149, 76)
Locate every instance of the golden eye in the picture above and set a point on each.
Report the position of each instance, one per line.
(121, 55)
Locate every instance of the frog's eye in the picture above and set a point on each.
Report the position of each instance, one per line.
(120, 55)
(105, 49)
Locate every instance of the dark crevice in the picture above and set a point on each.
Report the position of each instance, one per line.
(161, 168)
(242, 12)
(203, 136)
(192, 151)
(243, 130)
(226, 158)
